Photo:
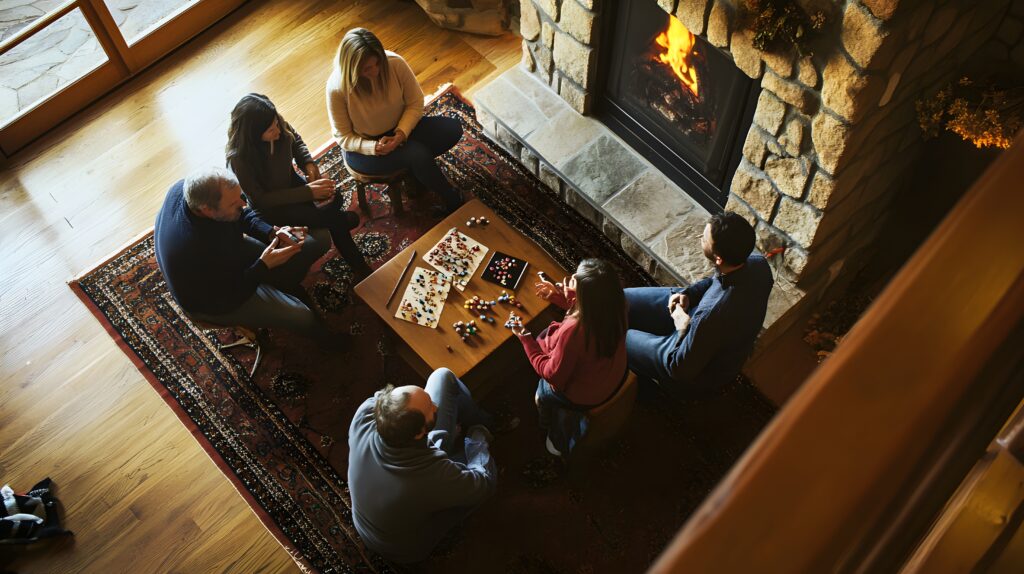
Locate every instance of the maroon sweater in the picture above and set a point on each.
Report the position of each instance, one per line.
(563, 358)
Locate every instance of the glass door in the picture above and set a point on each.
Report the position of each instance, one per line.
(56, 57)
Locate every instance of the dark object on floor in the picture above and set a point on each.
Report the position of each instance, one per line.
(30, 517)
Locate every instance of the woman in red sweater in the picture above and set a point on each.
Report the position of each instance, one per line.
(582, 359)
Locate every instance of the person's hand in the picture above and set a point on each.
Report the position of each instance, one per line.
(322, 188)
(400, 137)
(680, 318)
(283, 235)
(569, 288)
(386, 145)
(678, 300)
(274, 255)
(312, 171)
(545, 289)
(520, 331)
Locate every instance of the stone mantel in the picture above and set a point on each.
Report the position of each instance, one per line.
(831, 142)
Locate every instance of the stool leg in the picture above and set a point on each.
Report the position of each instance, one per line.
(361, 195)
(395, 195)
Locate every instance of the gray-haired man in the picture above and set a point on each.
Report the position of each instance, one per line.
(225, 265)
(412, 478)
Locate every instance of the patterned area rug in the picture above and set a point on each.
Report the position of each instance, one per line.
(281, 437)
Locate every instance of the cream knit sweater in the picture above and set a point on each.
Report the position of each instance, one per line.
(358, 119)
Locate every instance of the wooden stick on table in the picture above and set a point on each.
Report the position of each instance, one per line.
(400, 277)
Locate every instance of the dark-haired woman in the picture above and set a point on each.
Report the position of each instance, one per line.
(582, 359)
(375, 105)
(260, 151)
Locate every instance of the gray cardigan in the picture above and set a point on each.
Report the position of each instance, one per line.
(404, 500)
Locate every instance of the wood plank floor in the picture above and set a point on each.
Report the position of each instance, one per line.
(139, 492)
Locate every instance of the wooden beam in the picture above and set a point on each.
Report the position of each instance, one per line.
(834, 458)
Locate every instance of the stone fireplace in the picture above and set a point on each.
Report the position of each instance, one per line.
(823, 144)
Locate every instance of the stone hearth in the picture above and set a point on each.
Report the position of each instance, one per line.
(831, 142)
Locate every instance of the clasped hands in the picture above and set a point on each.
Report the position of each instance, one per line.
(388, 144)
(282, 247)
(322, 187)
(678, 303)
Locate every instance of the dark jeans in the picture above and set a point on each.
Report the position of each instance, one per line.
(652, 336)
(431, 137)
(275, 303)
(455, 407)
(338, 222)
(652, 340)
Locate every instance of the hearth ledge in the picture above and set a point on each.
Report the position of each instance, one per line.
(620, 192)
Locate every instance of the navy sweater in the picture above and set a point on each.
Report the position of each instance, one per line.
(203, 260)
(726, 315)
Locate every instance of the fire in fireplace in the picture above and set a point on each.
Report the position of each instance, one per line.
(668, 82)
(678, 100)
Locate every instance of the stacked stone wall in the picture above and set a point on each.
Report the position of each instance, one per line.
(1004, 53)
(833, 134)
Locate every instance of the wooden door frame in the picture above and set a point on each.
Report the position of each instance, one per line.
(124, 61)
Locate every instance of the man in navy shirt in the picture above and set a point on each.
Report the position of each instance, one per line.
(225, 265)
(697, 338)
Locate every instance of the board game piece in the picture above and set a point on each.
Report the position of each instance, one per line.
(513, 320)
(424, 297)
(458, 256)
(478, 305)
(510, 299)
(504, 270)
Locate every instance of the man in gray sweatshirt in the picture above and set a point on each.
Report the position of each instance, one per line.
(410, 481)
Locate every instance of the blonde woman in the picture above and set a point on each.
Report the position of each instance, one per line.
(375, 105)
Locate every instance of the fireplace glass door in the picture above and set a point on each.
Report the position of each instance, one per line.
(676, 98)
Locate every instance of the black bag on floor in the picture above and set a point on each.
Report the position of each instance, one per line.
(27, 518)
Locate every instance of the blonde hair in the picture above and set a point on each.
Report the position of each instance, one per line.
(357, 45)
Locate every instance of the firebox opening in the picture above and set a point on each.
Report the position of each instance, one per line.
(675, 98)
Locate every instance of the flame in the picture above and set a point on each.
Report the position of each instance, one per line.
(678, 43)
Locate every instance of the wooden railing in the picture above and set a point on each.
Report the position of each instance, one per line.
(840, 463)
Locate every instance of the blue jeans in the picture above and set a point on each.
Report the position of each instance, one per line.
(272, 305)
(652, 337)
(431, 137)
(455, 406)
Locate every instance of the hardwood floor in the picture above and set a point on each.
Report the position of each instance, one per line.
(139, 492)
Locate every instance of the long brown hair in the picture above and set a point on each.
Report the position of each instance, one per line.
(252, 115)
(600, 305)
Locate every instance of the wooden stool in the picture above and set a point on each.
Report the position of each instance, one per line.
(608, 419)
(246, 338)
(389, 179)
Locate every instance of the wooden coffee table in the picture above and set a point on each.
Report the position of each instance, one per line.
(494, 350)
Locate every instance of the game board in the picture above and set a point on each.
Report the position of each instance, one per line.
(424, 297)
(457, 256)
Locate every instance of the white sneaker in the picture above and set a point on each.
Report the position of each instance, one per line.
(551, 447)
